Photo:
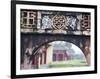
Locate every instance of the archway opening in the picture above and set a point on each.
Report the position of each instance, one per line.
(57, 54)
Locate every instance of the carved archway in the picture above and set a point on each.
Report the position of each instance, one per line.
(85, 49)
(83, 42)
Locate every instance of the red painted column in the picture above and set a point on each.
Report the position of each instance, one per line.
(45, 56)
(41, 59)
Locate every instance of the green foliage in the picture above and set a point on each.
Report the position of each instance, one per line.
(69, 63)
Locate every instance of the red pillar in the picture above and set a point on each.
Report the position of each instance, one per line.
(45, 55)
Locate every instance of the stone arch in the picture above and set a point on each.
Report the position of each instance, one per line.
(53, 41)
(83, 42)
(43, 44)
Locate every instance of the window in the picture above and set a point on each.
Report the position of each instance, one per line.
(28, 19)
